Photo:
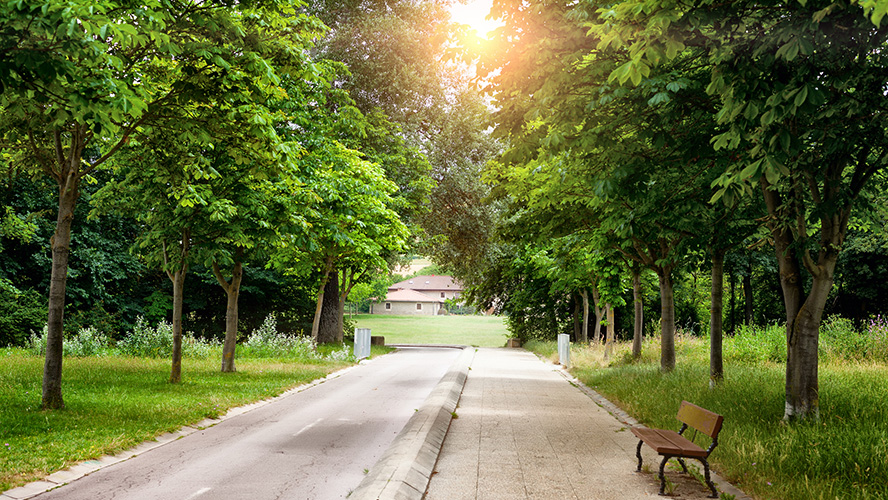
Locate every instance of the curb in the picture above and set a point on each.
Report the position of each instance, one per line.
(405, 469)
(721, 485)
(75, 472)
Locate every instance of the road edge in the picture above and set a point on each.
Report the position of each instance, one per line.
(406, 467)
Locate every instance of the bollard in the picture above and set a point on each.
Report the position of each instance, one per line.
(362, 343)
(564, 349)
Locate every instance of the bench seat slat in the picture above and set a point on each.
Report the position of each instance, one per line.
(666, 442)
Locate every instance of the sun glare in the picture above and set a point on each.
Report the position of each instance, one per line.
(474, 13)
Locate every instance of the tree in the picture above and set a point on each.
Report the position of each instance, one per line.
(71, 85)
(393, 51)
(801, 100)
(352, 224)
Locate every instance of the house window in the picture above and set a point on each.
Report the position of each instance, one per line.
(442, 295)
(419, 307)
(388, 306)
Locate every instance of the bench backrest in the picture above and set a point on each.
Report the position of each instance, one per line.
(703, 420)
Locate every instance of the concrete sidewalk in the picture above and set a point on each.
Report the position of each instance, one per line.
(524, 431)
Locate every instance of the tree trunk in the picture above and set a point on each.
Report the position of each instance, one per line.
(345, 288)
(61, 241)
(330, 327)
(177, 276)
(611, 332)
(747, 295)
(178, 279)
(316, 323)
(232, 291)
(733, 303)
(667, 320)
(584, 335)
(716, 364)
(577, 317)
(340, 321)
(599, 312)
(802, 320)
(802, 387)
(639, 314)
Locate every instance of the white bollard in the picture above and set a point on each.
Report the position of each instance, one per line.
(362, 343)
(564, 349)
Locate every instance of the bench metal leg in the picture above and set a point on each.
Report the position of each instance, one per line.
(662, 475)
(708, 480)
(684, 467)
(638, 454)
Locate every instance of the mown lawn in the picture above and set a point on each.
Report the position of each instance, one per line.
(478, 331)
(115, 402)
(844, 455)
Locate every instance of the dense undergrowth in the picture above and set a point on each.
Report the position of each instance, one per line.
(842, 455)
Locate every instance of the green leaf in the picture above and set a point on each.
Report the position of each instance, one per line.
(751, 170)
(673, 47)
(801, 96)
(751, 111)
(785, 140)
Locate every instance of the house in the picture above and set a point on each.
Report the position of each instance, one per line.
(438, 287)
(420, 295)
(408, 302)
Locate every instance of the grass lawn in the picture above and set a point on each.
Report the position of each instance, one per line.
(843, 455)
(479, 331)
(116, 402)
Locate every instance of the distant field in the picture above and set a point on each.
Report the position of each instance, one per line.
(415, 266)
(480, 331)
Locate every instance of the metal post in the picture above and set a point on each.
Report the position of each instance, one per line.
(564, 349)
(362, 343)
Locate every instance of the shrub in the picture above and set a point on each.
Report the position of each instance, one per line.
(87, 342)
(266, 342)
(194, 347)
(157, 342)
(21, 312)
(341, 354)
(877, 331)
(37, 342)
(148, 342)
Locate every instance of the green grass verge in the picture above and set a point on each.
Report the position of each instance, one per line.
(478, 331)
(841, 456)
(116, 402)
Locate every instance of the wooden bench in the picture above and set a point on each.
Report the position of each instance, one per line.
(671, 444)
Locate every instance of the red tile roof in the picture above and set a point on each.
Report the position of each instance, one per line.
(429, 283)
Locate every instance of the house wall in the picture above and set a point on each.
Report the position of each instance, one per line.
(437, 294)
(406, 308)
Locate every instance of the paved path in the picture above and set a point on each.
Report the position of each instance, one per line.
(314, 444)
(524, 431)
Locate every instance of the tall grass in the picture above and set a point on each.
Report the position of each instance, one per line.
(840, 456)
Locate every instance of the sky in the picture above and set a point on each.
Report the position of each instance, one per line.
(473, 13)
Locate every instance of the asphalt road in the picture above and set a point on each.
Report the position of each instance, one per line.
(315, 444)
